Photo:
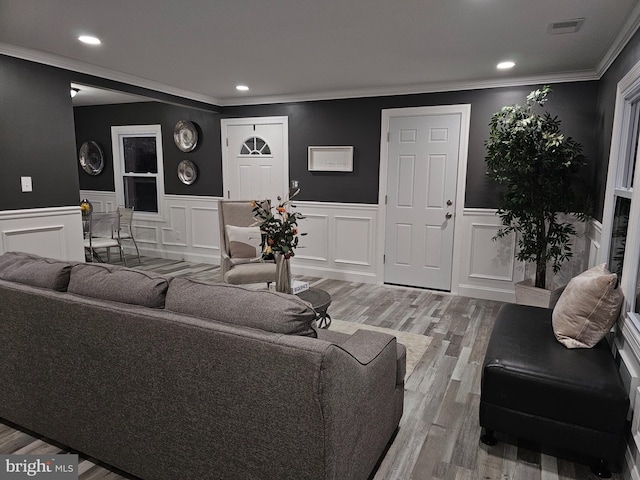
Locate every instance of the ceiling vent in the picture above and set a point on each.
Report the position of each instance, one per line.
(565, 26)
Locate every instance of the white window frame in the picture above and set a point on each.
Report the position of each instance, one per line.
(625, 120)
(117, 135)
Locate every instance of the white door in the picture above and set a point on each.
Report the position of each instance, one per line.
(255, 158)
(423, 153)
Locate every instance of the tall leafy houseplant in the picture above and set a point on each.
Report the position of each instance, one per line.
(537, 167)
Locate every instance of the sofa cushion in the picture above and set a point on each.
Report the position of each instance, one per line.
(244, 242)
(262, 309)
(35, 270)
(118, 284)
(588, 308)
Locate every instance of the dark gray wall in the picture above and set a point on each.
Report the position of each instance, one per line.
(94, 123)
(357, 122)
(607, 87)
(36, 136)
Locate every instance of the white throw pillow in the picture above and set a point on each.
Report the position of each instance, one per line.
(587, 309)
(244, 242)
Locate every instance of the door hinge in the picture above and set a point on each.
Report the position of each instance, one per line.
(228, 194)
(386, 198)
(388, 136)
(384, 259)
(227, 139)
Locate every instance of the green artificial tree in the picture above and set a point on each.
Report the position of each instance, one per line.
(537, 168)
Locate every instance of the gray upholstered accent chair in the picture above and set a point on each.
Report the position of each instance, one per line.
(239, 213)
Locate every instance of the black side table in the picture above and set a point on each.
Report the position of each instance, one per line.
(320, 301)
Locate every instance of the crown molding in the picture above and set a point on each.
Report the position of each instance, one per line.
(626, 32)
(578, 76)
(66, 63)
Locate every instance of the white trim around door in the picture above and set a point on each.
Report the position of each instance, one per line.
(465, 116)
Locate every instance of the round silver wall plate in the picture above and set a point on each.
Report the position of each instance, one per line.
(91, 158)
(187, 172)
(185, 134)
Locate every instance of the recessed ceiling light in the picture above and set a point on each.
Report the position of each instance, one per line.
(505, 65)
(88, 39)
(242, 88)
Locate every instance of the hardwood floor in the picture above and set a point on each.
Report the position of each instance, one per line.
(439, 432)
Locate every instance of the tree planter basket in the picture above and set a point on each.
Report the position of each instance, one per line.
(527, 294)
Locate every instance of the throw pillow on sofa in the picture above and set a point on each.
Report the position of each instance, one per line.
(35, 271)
(587, 309)
(118, 284)
(262, 309)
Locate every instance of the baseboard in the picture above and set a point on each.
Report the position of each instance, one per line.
(173, 255)
(346, 275)
(486, 293)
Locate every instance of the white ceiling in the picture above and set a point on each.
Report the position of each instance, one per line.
(311, 49)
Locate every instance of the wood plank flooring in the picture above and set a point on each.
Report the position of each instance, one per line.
(439, 432)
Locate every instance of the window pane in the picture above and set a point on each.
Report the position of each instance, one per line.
(140, 155)
(619, 234)
(255, 146)
(637, 302)
(630, 161)
(141, 193)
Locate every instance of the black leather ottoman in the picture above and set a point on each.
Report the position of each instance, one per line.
(535, 388)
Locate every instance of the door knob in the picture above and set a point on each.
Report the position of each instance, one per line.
(448, 215)
(449, 203)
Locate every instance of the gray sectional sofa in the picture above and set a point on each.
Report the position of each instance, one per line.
(175, 379)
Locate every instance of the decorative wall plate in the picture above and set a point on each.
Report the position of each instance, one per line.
(185, 135)
(91, 158)
(187, 172)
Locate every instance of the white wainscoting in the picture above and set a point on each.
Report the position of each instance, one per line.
(626, 349)
(488, 268)
(341, 242)
(54, 232)
(189, 230)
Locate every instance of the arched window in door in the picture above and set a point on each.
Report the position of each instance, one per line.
(255, 146)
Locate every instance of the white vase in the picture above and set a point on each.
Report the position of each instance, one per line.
(283, 274)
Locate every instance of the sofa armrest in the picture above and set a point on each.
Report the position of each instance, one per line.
(360, 390)
(366, 345)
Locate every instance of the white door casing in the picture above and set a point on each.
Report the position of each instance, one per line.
(255, 158)
(422, 168)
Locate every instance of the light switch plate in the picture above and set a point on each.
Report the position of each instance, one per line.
(26, 184)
